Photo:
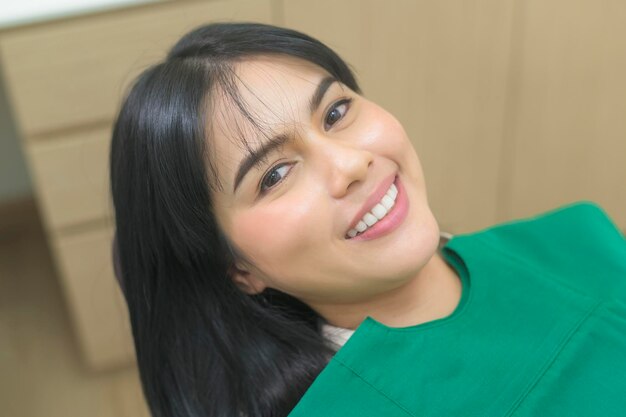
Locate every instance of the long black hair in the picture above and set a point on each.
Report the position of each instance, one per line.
(203, 346)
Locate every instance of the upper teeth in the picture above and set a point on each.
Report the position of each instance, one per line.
(379, 211)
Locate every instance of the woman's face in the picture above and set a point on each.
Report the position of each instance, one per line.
(291, 213)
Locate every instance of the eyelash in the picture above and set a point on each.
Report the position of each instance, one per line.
(262, 190)
(341, 102)
(269, 174)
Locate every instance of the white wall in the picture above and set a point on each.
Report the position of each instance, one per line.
(13, 13)
(14, 178)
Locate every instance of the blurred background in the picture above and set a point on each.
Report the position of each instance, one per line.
(515, 107)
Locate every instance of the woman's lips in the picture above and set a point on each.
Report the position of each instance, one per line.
(392, 220)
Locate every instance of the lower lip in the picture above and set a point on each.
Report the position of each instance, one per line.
(392, 220)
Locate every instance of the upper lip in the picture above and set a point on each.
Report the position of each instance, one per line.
(373, 199)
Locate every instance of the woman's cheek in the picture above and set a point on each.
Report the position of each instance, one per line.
(380, 131)
(272, 236)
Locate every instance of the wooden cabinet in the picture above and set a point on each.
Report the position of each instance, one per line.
(514, 106)
(72, 74)
(66, 80)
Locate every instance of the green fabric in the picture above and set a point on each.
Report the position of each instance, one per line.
(540, 331)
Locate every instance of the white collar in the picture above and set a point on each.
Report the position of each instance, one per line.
(336, 335)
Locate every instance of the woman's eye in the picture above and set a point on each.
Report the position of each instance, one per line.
(337, 112)
(274, 176)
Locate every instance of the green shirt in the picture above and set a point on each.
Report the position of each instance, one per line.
(540, 331)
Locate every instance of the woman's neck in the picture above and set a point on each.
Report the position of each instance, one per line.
(433, 294)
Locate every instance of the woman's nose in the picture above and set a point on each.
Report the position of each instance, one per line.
(344, 165)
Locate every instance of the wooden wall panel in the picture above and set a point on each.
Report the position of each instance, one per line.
(441, 68)
(74, 72)
(568, 129)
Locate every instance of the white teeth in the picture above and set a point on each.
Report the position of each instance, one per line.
(379, 211)
(360, 227)
(393, 191)
(387, 202)
(370, 219)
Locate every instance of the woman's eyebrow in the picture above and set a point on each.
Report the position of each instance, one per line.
(318, 95)
(279, 140)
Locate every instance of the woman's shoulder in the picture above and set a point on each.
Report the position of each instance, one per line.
(578, 241)
(574, 226)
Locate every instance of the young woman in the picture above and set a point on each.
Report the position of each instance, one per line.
(279, 256)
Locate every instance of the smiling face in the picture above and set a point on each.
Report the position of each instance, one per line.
(333, 156)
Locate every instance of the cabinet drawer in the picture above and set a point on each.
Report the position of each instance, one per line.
(71, 177)
(96, 304)
(73, 72)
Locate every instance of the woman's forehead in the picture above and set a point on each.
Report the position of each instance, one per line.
(269, 94)
(276, 87)
(261, 69)
(266, 90)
